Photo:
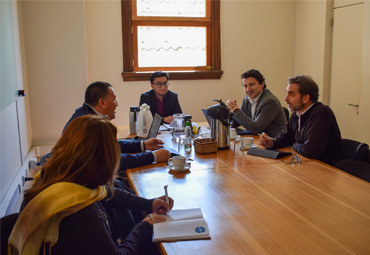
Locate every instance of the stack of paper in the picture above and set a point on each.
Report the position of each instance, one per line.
(181, 225)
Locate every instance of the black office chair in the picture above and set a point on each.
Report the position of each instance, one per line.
(286, 111)
(6, 226)
(355, 150)
(357, 168)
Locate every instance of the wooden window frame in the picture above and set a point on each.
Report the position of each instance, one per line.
(129, 55)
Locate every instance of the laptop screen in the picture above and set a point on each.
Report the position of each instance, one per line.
(153, 131)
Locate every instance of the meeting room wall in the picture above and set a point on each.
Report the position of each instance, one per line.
(255, 34)
(67, 52)
(364, 119)
(62, 61)
(55, 53)
(313, 42)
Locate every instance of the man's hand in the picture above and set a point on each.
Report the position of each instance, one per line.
(160, 206)
(266, 141)
(231, 104)
(162, 155)
(168, 119)
(153, 144)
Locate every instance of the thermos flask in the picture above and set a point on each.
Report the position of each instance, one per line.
(133, 119)
(220, 124)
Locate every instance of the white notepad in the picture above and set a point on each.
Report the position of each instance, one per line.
(181, 225)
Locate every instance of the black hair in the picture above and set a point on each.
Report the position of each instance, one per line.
(306, 86)
(255, 74)
(158, 74)
(95, 91)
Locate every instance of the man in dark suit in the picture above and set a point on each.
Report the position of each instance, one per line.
(100, 99)
(260, 110)
(160, 99)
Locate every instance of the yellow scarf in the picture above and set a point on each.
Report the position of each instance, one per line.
(38, 223)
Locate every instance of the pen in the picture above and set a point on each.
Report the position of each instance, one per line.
(268, 137)
(166, 196)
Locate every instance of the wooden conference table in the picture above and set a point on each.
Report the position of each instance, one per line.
(255, 205)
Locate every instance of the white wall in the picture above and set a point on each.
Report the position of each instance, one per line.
(313, 43)
(280, 38)
(255, 34)
(55, 46)
(364, 119)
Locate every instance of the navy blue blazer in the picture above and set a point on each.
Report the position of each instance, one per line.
(127, 146)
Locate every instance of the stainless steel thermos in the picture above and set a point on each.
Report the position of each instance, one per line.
(220, 124)
(133, 119)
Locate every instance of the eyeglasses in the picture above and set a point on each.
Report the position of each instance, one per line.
(294, 159)
(165, 84)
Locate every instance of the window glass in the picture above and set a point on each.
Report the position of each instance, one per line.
(171, 46)
(171, 8)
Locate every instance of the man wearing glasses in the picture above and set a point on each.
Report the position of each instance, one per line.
(160, 99)
(312, 129)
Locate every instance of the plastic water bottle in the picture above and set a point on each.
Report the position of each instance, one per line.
(188, 137)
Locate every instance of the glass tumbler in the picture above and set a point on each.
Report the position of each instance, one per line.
(178, 127)
(238, 143)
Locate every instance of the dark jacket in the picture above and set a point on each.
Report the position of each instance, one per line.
(171, 103)
(127, 146)
(87, 231)
(269, 116)
(319, 138)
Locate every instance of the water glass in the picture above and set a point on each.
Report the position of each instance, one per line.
(178, 128)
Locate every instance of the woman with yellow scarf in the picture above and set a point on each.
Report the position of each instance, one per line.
(64, 213)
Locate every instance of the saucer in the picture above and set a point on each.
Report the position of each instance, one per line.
(247, 148)
(186, 168)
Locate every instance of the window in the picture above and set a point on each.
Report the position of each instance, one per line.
(156, 37)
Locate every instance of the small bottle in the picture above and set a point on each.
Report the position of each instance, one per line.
(188, 137)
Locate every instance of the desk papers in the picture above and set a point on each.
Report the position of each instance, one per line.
(181, 225)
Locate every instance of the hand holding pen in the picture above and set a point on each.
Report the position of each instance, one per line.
(266, 141)
(161, 206)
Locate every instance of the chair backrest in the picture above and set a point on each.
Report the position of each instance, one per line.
(6, 226)
(286, 111)
(356, 150)
(355, 167)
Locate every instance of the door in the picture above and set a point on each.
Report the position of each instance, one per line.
(346, 68)
(9, 133)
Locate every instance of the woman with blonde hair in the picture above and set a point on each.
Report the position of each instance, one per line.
(64, 213)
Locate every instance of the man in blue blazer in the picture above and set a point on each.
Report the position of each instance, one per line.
(100, 99)
(160, 99)
(260, 110)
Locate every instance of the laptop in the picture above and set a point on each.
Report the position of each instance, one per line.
(239, 131)
(153, 131)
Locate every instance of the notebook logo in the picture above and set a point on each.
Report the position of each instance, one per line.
(200, 229)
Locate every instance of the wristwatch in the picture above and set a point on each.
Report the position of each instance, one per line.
(236, 110)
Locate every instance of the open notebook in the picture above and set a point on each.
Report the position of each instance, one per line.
(185, 224)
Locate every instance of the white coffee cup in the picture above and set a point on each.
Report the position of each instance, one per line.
(178, 162)
(232, 133)
(248, 142)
